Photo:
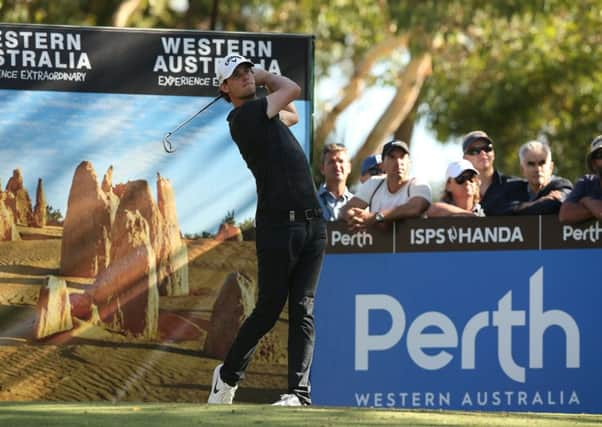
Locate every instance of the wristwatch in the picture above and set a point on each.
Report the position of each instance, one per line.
(379, 218)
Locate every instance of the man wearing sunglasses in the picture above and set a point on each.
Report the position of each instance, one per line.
(543, 192)
(585, 201)
(461, 194)
(499, 192)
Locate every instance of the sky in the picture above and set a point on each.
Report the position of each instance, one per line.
(48, 134)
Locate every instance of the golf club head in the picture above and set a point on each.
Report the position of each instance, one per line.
(167, 146)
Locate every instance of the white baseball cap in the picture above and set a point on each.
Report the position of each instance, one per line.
(227, 65)
(455, 169)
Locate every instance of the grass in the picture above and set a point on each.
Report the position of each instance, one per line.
(186, 414)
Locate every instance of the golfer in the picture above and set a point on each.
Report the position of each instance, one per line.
(291, 234)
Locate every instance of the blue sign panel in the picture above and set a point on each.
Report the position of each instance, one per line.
(497, 330)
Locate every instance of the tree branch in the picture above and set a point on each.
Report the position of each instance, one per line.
(124, 12)
(412, 78)
(353, 90)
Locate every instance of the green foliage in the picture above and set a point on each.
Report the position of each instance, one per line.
(53, 216)
(521, 77)
(517, 69)
(229, 218)
(65, 12)
(247, 224)
(343, 29)
(196, 236)
(247, 229)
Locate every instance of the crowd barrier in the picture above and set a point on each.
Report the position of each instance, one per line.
(458, 313)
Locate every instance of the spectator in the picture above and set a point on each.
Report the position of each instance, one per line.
(371, 166)
(543, 192)
(335, 165)
(498, 192)
(585, 201)
(461, 195)
(390, 197)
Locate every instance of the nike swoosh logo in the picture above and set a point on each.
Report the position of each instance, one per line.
(215, 389)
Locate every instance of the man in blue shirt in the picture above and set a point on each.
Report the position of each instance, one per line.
(585, 201)
(335, 165)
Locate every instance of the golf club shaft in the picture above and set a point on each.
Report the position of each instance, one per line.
(167, 145)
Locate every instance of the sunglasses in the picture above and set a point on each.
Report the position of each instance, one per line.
(477, 150)
(464, 177)
(596, 155)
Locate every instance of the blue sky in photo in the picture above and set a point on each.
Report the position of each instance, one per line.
(47, 134)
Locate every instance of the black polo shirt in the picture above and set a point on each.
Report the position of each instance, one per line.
(502, 194)
(275, 157)
(541, 205)
(586, 186)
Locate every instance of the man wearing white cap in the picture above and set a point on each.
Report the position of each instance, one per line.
(291, 233)
(585, 201)
(461, 195)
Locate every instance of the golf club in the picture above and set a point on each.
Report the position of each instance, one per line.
(167, 145)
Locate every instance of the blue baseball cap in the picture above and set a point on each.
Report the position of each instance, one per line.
(370, 162)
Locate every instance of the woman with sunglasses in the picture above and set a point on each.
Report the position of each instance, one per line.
(461, 195)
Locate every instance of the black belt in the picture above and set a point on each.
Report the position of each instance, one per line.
(294, 215)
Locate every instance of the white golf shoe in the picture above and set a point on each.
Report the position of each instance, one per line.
(288, 400)
(220, 393)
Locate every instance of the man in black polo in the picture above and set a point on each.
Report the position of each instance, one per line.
(544, 192)
(499, 192)
(291, 233)
(585, 201)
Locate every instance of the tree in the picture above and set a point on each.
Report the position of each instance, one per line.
(229, 218)
(54, 216)
(525, 77)
(517, 69)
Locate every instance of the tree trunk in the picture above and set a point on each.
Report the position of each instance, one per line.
(406, 129)
(124, 12)
(214, 14)
(352, 91)
(412, 78)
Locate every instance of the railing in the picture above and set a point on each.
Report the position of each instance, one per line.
(462, 234)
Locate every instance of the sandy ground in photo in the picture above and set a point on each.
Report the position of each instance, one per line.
(90, 363)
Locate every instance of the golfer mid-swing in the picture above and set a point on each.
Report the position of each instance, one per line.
(291, 234)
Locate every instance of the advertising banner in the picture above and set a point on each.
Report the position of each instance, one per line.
(447, 327)
(126, 271)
